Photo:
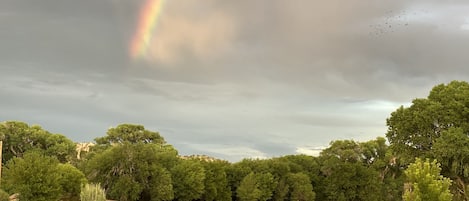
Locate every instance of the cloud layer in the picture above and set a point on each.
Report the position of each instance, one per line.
(228, 79)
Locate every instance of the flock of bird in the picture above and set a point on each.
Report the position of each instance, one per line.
(393, 22)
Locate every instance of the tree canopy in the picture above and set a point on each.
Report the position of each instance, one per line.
(130, 133)
(19, 138)
(412, 131)
(42, 178)
(424, 182)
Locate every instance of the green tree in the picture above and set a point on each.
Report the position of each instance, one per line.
(133, 171)
(424, 182)
(130, 133)
(374, 152)
(19, 137)
(235, 173)
(188, 180)
(300, 187)
(160, 186)
(35, 177)
(280, 169)
(4, 196)
(412, 131)
(71, 181)
(347, 175)
(216, 182)
(452, 150)
(132, 164)
(377, 156)
(308, 165)
(256, 186)
(424, 129)
(248, 189)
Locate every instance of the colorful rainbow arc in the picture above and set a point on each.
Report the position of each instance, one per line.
(148, 21)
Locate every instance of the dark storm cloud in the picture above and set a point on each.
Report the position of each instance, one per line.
(64, 35)
(230, 79)
(327, 45)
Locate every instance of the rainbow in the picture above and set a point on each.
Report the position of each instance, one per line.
(148, 20)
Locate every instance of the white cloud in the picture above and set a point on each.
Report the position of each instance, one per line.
(310, 151)
(231, 152)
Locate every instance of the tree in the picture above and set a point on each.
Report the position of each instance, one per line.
(347, 174)
(130, 133)
(20, 137)
(160, 186)
(133, 171)
(300, 187)
(308, 165)
(374, 152)
(132, 164)
(452, 150)
(216, 182)
(424, 129)
(71, 181)
(424, 182)
(35, 177)
(4, 196)
(348, 181)
(248, 189)
(256, 186)
(235, 174)
(280, 169)
(412, 131)
(188, 180)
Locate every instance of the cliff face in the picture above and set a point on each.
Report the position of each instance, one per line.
(83, 147)
(14, 197)
(200, 157)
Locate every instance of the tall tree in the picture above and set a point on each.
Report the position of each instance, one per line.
(300, 187)
(133, 171)
(216, 182)
(256, 186)
(424, 182)
(20, 137)
(248, 189)
(235, 174)
(35, 177)
(452, 150)
(71, 181)
(412, 131)
(346, 175)
(188, 180)
(130, 133)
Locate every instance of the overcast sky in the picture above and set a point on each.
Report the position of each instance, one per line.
(230, 79)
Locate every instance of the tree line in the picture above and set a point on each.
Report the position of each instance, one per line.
(425, 156)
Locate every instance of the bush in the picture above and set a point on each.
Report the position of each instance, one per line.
(35, 177)
(4, 196)
(92, 192)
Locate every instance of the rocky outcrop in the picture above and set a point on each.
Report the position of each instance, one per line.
(14, 197)
(83, 147)
(200, 157)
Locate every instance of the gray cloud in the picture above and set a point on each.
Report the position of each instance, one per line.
(229, 79)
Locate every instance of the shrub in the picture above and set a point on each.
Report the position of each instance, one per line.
(92, 192)
(4, 196)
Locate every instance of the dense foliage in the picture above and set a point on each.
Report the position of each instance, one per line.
(39, 177)
(92, 192)
(424, 182)
(427, 158)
